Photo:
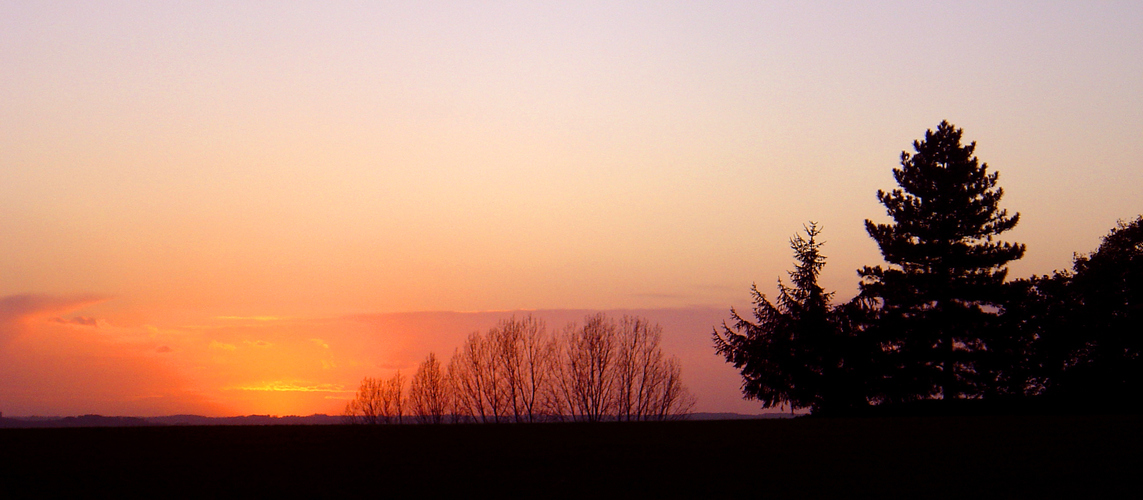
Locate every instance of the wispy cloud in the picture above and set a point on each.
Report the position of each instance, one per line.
(251, 318)
(16, 311)
(80, 321)
(282, 386)
(214, 344)
(17, 307)
(663, 296)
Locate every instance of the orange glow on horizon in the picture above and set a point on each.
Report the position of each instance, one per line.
(215, 367)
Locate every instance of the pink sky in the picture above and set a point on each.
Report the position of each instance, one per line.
(197, 198)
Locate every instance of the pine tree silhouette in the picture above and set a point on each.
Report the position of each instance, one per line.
(945, 273)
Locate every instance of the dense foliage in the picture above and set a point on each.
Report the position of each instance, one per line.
(1087, 323)
(938, 323)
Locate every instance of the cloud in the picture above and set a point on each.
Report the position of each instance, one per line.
(665, 296)
(60, 365)
(23, 307)
(258, 343)
(282, 386)
(320, 343)
(251, 318)
(214, 344)
(17, 311)
(80, 321)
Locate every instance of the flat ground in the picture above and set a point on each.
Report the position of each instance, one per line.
(929, 457)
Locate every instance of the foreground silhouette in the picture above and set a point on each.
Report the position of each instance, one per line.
(796, 351)
(600, 370)
(1006, 457)
(937, 330)
(938, 296)
(1082, 330)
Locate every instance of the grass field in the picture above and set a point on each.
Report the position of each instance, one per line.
(930, 457)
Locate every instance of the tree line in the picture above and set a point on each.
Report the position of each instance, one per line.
(939, 324)
(601, 370)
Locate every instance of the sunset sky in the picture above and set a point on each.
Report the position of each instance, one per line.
(231, 208)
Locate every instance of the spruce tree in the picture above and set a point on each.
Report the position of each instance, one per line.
(943, 284)
(791, 353)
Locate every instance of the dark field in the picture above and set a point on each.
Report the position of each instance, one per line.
(931, 457)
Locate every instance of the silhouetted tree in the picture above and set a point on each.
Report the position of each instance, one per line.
(609, 370)
(940, 293)
(506, 374)
(602, 370)
(793, 353)
(649, 384)
(588, 356)
(479, 389)
(393, 401)
(364, 408)
(1089, 322)
(377, 401)
(430, 396)
(1016, 365)
(525, 355)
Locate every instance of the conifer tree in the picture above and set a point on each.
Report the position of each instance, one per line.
(943, 284)
(791, 353)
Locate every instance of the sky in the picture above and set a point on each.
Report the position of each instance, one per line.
(230, 208)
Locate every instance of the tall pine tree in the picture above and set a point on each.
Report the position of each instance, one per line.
(942, 287)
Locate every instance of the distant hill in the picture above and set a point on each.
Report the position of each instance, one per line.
(736, 416)
(102, 421)
(80, 421)
(316, 419)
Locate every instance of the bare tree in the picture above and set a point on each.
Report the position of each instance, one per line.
(430, 396)
(637, 367)
(586, 373)
(393, 399)
(364, 407)
(462, 384)
(525, 354)
(610, 370)
(602, 370)
(377, 401)
(476, 381)
(673, 400)
(648, 387)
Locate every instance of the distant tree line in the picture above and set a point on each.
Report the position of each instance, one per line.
(601, 370)
(938, 326)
